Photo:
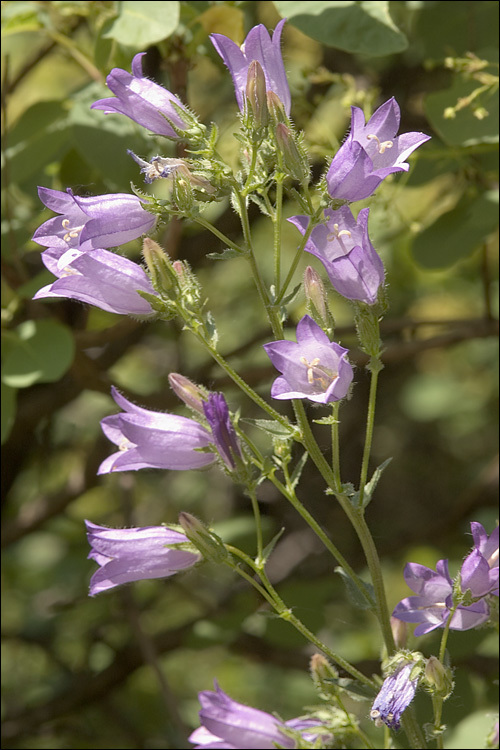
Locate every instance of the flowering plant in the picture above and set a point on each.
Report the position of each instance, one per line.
(315, 370)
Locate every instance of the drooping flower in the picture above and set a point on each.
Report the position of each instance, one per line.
(434, 601)
(486, 545)
(258, 47)
(228, 724)
(371, 152)
(223, 432)
(479, 572)
(89, 223)
(149, 439)
(394, 697)
(343, 246)
(144, 101)
(126, 555)
(100, 278)
(314, 367)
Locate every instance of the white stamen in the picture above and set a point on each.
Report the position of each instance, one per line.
(73, 231)
(317, 376)
(382, 146)
(336, 235)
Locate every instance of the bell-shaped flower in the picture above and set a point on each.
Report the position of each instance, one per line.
(343, 246)
(371, 152)
(434, 601)
(228, 724)
(149, 439)
(88, 223)
(486, 545)
(394, 697)
(144, 101)
(313, 367)
(223, 432)
(100, 278)
(258, 47)
(479, 572)
(126, 555)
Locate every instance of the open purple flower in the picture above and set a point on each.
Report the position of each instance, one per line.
(479, 572)
(314, 367)
(100, 278)
(343, 246)
(126, 555)
(257, 46)
(150, 439)
(371, 152)
(394, 697)
(486, 545)
(144, 101)
(434, 601)
(223, 432)
(88, 223)
(228, 724)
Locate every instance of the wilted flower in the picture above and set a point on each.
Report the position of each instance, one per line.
(371, 152)
(313, 368)
(149, 439)
(343, 246)
(126, 555)
(434, 601)
(394, 697)
(89, 223)
(256, 47)
(223, 432)
(144, 101)
(100, 278)
(228, 724)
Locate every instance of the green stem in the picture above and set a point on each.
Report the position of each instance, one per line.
(278, 217)
(258, 523)
(375, 366)
(335, 445)
(211, 228)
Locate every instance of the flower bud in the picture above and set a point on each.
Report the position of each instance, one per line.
(292, 158)
(399, 632)
(209, 544)
(438, 677)
(316, 300)
(192, 395)
(276, 107)
(159, 265)
(324, 676)
(256, 94)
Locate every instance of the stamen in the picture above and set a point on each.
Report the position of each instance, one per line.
(336, 235)
(73, 232)
(319, 377)
(382, 146)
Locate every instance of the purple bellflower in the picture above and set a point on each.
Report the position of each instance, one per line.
(486, 545)
(371, 152)
(313, 368)
(223, 432)
(258, 47)
(149, 439)
(479, 572)
(125, 555)
(394, 697)
(434, 601)
(99, 221)
(343, 246)
(228, 724)
(100, 278)
(144, 101)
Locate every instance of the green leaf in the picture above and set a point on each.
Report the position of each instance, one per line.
(356, 597)
(356, 690)
(464, 129)
(457, 233)
(269, 547)
(298, 469)
(8, 410)
(43, 352)
(273, 428)
(229, 252)
(372, 484)
(141, 24)
(360, 27)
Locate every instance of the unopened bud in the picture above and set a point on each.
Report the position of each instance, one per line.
(159, 265)
(399, 632)
(324, 676)
(256, 93)
(276, 107)
(209, 544)
(192, 395)
(291, 157)
(317, 307)
(438, 677)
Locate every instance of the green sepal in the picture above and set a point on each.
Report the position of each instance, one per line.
(166, 309)
(356, 597)
(330, 419)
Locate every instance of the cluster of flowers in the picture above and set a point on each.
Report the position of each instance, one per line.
(78, 241)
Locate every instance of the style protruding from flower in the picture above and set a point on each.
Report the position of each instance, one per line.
(149, 439)
(223, 433)
(313, 367)
(434, 601)
(395, 696)
(258, 47)
(228, 724)
(99, 278)
(343, 246)
(144, 101)
(371, 152)
(90, 223)
(126, 555)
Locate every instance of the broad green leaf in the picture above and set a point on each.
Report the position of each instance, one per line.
(457, 233)
(357, 597)
(8, 410)
(141, 24)
(361, 27)
(43, 352)
(275, 429)
(464, 129)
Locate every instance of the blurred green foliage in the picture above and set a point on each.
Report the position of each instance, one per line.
(78, 672)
